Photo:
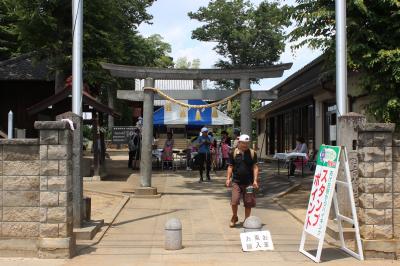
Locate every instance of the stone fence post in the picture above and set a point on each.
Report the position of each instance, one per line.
(56, 213)
(347, 136)
(379, 201)
(35, 194)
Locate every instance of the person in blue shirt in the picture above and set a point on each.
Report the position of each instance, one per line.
(204, 155)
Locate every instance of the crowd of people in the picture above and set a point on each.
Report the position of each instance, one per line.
(209, 150)
(206, 152)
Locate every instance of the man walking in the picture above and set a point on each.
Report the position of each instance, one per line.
(242, 175)
(204, 155)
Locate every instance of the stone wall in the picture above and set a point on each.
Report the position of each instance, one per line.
(35, 194)
(379, 190)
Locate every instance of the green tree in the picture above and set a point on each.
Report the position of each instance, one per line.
(8, 35)
(246, 36)
(158, 51)
(42, 27)
(110, 34)
(184, 63)
(196, 63)
(373, 32)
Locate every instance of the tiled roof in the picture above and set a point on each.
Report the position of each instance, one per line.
(303, 89)
(66, 93)
(23, 67)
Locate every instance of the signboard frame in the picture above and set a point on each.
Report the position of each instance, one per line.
(333, 196)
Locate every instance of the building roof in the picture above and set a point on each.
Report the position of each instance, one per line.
(300, 72)
(66, 93)
(23, 67)
(296, 86)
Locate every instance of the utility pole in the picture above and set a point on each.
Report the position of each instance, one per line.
(76, 117)
(345, 124)
(77, 34)
(341, 58)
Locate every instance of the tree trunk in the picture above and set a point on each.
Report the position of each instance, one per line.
(111, 105)
(59, 81)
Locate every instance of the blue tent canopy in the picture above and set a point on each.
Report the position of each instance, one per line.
(174, 117)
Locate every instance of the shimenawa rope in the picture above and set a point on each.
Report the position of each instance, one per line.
(202, 106)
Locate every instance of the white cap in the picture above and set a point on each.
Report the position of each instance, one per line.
(204, 129)
(244, 138)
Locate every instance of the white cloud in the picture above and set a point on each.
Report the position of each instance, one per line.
(175, 36)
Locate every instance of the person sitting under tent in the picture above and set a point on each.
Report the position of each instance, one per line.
(301, 147)
(167, 153)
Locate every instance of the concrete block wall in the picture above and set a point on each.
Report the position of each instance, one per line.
(36, 193)
(379, 190)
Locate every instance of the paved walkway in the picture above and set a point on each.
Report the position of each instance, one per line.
(136, 237)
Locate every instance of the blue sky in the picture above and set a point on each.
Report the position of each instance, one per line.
(170, 20)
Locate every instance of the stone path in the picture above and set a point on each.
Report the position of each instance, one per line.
(136, 237)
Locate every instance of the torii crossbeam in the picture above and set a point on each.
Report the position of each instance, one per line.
(206, 95)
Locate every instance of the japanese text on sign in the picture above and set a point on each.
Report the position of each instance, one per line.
(121, 135)
(253, 241)
(322, 190)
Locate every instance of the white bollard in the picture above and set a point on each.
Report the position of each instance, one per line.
(173, 234)
(252, 224)
(10, 124)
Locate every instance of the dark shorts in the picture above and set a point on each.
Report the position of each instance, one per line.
(239, 191)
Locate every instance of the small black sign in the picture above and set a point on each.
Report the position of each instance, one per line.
(121, 135)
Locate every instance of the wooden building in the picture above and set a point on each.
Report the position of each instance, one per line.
(27, 89)
(306, 106)
(22, 84)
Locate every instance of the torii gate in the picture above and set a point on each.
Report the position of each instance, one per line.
(150, 74)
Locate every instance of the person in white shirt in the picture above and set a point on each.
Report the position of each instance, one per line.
(301, 147)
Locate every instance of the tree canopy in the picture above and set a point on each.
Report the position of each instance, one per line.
(8, 35)
(110, 34)
(184, 63)
(373, 33)
(245, 34)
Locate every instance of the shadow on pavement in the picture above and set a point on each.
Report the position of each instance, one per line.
(330, 254)
(144, 218)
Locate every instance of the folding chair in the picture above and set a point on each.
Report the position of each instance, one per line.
(312, 162)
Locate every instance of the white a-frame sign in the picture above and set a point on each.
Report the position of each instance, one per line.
(319, 205)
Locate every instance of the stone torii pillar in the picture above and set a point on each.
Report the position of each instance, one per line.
(145, 188)
(245, 107)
